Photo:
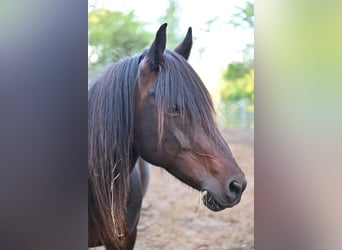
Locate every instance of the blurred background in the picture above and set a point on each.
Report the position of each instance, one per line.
(222, 54)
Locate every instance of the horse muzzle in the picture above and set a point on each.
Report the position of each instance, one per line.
(231, 197)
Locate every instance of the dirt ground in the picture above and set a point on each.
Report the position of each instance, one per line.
(173, 216)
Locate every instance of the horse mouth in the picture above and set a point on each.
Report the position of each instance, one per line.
(215, 204)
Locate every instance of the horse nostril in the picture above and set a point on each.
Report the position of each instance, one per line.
(235, 187)
(235, 190)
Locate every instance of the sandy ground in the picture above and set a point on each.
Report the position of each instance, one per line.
(173, 217)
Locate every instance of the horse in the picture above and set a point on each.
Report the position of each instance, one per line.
(152, 108)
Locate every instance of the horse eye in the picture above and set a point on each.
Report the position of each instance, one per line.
(152, 92)
(175, 108)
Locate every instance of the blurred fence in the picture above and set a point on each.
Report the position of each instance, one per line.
(236, 114)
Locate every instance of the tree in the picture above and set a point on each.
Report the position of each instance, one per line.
(113, 35)
(240, 87)
(244, 18)
(239, 76)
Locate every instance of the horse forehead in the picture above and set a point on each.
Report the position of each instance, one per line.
(146, 79)
(145, 70)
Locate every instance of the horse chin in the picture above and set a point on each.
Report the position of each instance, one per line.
(214, 204)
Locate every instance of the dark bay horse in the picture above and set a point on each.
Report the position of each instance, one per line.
(152, 106)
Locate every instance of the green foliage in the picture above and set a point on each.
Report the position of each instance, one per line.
(236, 70)
(239, 76)
(113, 35)
(244, 17)
(239, 87)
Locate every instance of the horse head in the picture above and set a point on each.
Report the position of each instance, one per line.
(174, 125)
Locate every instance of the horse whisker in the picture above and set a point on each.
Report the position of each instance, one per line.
(116, 163)
(117, 176)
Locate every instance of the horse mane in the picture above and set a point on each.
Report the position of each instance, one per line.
(110, 141)
(178, 84)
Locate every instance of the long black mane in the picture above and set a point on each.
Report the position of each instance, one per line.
(110, 141)
(110, 130)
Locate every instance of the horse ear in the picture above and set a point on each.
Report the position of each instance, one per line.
(185, 47)
(155, 53)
